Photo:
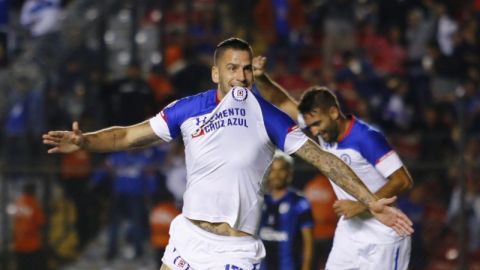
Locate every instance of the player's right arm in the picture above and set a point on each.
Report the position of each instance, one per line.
(110, 139)
(272, 91)
(335, 169)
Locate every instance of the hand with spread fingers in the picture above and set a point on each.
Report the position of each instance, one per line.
(391, 216)
(64, 141)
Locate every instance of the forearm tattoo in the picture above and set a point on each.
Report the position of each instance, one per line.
(335, 169)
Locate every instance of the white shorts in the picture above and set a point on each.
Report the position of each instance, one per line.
(192, 248)
(352, 255)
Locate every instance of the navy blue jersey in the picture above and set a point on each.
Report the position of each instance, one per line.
(281, 230)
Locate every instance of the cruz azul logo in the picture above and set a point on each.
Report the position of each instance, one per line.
(180, 263)
(239, 93)
(219, 120)
(346, 158)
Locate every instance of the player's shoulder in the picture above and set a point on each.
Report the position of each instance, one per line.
(194, 105)
(202, 98)
(364, 132)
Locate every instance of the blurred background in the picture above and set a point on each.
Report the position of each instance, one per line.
(409, 67)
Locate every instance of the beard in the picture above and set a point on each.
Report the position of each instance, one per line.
(331, 133)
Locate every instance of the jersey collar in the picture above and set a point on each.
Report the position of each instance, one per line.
(351, 120)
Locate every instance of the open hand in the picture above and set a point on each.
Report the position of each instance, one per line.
(64, 141)
(391, 217)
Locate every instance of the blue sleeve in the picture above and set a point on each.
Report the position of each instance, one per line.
(277, 123)
(180, 110)
(172, 115)
(374, 146)
(305, 213)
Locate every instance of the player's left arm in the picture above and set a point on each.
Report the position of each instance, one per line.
(398, 182)
(307, 237)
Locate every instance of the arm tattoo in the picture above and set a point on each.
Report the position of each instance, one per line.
(335, 169)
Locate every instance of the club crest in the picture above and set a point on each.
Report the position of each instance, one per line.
(346, 158)
(239, 93)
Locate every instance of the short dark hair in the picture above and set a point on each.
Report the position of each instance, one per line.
(231, 43)
(317, 97)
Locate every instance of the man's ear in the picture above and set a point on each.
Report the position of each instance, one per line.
(333, 112)
(215, 74)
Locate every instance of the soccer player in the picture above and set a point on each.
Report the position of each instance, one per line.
(360, 241)
(230, 134)
(287, 222)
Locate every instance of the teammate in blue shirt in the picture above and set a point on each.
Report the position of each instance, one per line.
(360, 241)
(287, 222)
(230, 134)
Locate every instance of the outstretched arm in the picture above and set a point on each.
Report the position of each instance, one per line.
(272, 91)
(335, 169)
(105, 140)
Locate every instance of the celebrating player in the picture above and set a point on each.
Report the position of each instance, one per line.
(360, 241)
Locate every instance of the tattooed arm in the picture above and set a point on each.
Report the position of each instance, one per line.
(105, 140)
(335, 169)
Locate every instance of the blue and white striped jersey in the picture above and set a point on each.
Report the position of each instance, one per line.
(281, 230)
(228, 147)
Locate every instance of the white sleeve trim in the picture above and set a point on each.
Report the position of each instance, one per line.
(388, 164)
(160, 127)
(294, 140)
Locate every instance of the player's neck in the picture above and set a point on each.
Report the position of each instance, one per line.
(220, 95)
(344, 126)
(278, 193)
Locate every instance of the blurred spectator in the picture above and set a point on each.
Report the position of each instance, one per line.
(41, 16)
(205, 29)
(286, 224)
(472, 197)
(132, 179)
(161, 86)
(391, 55)
(418, 33)
(42, 19)
(412, 205)
(133, 92)
(320, 194)
(186, 72)
(62, 234)
(161, 215)
(436, 145)
(446, 30)
(76, 169)
(399, 112)
(27, 237)
(339, 29)
(24, 120)
(282, 23)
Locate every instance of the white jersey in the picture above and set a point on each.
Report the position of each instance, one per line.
(228, 146)
(370, 156)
